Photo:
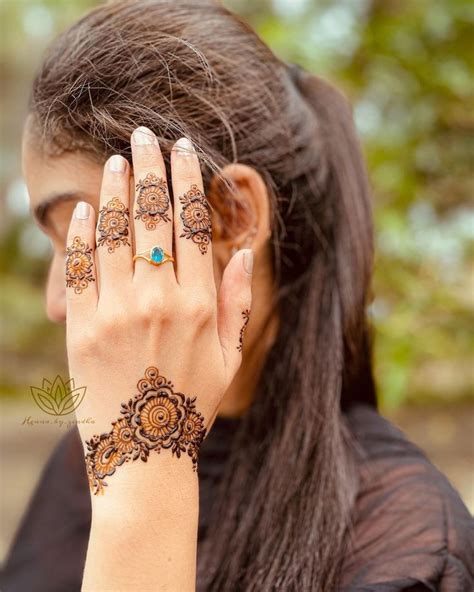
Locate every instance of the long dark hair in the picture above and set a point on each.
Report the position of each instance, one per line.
(284, 505)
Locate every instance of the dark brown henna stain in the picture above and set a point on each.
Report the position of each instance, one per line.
(78, 265)
(113, 225)
(156, 418)
(152, 201)
(196, 218)
(246, 316)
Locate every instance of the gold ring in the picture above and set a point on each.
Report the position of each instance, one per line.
(155, 256)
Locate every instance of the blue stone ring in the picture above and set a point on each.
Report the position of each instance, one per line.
(155, 256)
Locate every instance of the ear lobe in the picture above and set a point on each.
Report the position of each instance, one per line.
(241, 207)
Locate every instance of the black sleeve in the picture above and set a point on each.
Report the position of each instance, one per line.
(49, 549)
(412, 532)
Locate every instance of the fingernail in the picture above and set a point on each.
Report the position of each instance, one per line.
(184, 147)
(82, 210)
(117, 163)
(143, 136)
(248, 261)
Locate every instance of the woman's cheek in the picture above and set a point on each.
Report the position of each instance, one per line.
(56, 290)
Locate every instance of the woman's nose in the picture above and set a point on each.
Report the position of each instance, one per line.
(56, 291)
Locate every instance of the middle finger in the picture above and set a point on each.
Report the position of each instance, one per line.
(152, 208)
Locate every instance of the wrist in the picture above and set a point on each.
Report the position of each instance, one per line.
(138, 488)
(144, 529)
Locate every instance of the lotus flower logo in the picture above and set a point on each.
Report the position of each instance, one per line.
(59, 397)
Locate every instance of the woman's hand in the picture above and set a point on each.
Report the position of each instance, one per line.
(156, 346)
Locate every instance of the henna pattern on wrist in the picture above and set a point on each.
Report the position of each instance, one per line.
(152, 201)
(196, 218)
(157, 417)
(246, 316)
(113, 225)
(78, 265)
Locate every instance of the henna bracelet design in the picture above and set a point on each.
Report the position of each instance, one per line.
(157, 417)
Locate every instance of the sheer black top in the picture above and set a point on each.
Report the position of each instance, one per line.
(412, 531)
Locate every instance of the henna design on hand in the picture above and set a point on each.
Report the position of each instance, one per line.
(157, 417)
(196, 218)
(78, 265)
(113, 225)
(152, 201)
(246, 316)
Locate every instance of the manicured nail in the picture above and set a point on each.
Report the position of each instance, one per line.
(82, 210)
(184, 147)
(248, 261)
(143, 136)
(117, 163)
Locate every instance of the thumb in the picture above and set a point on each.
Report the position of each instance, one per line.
(233, 307)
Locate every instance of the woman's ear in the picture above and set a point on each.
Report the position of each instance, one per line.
(240, 211)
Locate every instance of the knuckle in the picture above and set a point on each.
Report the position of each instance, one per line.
(199, 309)
(244, 305)
(188, 174)
(156, 310)
(112, 184)
(148, 164)
(79, 227)
(109, 324)
(142, 315)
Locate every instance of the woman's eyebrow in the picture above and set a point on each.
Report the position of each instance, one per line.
(43, 209)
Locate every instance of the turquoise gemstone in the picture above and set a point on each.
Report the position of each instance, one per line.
(157, 255)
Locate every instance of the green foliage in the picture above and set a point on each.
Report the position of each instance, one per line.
(407, 68)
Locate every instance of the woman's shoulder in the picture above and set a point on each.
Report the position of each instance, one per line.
(411, 529)
(49, 548)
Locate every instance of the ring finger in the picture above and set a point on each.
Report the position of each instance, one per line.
(113, 238)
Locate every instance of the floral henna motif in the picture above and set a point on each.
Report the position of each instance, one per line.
(196, 218)
(152, 201)
(78, 265)
(113, 225)
(246, 316)
(156, 418)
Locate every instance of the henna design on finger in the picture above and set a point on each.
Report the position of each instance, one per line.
(113, 225)
(156, 418)
(246, 316)
(152, 201)
(196, 218)
(79, 265)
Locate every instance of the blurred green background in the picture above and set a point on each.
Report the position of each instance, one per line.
(407, 67)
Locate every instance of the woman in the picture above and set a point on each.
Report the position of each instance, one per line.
(260, 379)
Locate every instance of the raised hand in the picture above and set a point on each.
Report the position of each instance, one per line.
(148, 333)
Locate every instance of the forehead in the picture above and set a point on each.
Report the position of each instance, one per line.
(46, 175)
